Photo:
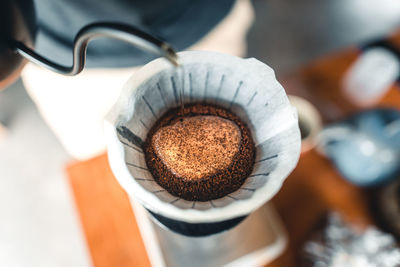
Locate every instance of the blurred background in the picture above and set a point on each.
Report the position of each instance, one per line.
(39, 225)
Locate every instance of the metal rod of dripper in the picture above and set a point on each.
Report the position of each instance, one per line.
(129, 34)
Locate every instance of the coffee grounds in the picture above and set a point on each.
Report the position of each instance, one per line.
(197, 146)
(203, 155)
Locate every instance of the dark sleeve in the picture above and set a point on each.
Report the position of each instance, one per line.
(180, 22)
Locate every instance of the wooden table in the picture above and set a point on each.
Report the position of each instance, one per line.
(313, 188)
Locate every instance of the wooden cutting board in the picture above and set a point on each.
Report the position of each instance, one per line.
(108, 222)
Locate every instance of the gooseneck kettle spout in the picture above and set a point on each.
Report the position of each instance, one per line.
(126, 33)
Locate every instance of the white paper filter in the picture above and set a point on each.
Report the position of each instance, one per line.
(246, 86)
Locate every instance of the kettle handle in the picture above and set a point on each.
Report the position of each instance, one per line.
(94, 31)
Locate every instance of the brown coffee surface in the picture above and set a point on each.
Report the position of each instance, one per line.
(198, 146)
(205, 154)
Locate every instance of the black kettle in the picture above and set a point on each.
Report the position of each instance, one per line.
(17, 22)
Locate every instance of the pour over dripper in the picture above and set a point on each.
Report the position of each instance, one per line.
(245, 86)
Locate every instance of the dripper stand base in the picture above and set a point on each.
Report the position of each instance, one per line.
(258, 240)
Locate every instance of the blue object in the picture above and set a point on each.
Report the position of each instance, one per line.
(179, 22)
(366, 147)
